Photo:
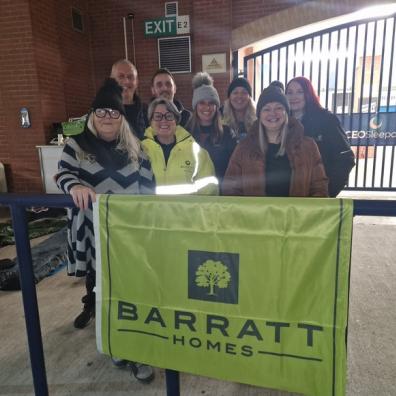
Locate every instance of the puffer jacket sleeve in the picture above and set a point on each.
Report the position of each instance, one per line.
(68, 167)
(206, 175)
(232, 182)
(319, 181)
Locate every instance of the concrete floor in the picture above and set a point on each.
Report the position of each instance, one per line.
(74, 367)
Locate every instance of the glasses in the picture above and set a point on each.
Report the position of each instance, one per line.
(159, 116)
(101, 113)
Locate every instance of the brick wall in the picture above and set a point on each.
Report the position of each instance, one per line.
(48, 63)
(108, 41)
(55, 71)
(212, 34)
(75, 57)
(211, 25)
(18, 88)
(63, 59)
(47, 69)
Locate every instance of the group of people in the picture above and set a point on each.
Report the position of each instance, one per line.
(286, 146)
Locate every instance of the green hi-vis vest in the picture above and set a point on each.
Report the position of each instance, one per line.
(252, 290)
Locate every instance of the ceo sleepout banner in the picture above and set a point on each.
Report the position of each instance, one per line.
(252, 290)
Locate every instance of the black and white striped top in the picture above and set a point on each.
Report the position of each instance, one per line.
(77, 167)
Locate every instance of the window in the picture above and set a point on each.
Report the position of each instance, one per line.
(77, 20)
(171, 8)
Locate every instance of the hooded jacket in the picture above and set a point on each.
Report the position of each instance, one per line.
(189, 168)
(246, 173)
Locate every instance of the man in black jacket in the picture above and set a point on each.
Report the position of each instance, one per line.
(163, 85)
(126, 75)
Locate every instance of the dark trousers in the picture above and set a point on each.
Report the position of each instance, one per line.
(89, 298)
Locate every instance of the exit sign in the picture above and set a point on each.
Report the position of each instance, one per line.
(170, 26)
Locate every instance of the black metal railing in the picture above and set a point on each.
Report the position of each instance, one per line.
(351, 67)
(18, 203)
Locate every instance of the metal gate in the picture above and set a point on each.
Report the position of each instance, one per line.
(352, 69)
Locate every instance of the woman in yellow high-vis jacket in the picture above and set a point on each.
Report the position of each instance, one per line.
(179, 164)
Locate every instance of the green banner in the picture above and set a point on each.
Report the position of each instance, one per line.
(252, 290)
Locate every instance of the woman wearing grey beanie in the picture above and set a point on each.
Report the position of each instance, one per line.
(205, 124)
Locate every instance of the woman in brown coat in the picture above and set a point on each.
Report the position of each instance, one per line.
(276, 159)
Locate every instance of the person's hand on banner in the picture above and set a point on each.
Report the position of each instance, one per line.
(81, 196)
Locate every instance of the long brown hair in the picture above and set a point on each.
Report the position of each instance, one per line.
(194, 126)
(230, 120)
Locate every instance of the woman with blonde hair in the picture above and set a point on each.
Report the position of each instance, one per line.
(238, 110)
(276, 159)
(105, 158)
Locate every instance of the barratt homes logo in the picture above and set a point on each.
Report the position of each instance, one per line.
(213, 276)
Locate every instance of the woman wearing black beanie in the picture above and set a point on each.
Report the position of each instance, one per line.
(105, 158)
(276, 159)
(238, 110)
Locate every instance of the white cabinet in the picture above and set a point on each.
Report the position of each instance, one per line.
(49, 158)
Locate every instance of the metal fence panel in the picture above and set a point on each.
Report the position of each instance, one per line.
(352, 69)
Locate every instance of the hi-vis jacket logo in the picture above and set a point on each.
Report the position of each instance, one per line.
(213, 276)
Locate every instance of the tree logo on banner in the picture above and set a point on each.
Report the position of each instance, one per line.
(212, 274)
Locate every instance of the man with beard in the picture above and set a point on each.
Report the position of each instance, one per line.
(163, 85)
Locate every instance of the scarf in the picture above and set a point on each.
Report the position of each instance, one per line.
(105, 153)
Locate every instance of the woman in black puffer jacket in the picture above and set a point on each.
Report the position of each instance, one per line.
(325, 128)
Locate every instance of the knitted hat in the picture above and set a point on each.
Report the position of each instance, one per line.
(109, 96)
(239, 82)
(204, 90)
(272, 94)
(279, 84)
